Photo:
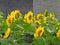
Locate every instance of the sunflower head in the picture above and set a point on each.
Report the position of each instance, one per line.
(37, 22)
(28, 17)
(8, 20)
(18, 13)
(39, 15)
(52, 16)
(39, 31)
(45, 19)
(7, 33)
(12, 14)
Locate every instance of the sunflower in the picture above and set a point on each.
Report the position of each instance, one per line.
(45, 19)
(51, 16)
(37, 22)
(17, 14)
(12, 14)
(58, 33)
(28, 17)
(25, 18)
(8, 20)
(39, 31)
(7, 33)
(39, 15)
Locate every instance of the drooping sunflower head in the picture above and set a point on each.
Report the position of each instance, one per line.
(39, 15)
(51, 15)
(25, 18)
(8, 20)
(17, 13)
(7, 33)
(45, 19)
(39, 31)
(7, 16)
(37, 22)
(12, 14)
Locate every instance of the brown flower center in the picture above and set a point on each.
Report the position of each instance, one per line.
(30, 17)
(18, 15)
(9, 21)
(36, 23)
(39, 32)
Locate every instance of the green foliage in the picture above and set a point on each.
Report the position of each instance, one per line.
(22, 33)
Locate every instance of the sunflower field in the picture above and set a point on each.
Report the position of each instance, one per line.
(29, 29)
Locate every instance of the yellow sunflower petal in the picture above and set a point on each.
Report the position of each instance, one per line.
(39, 31)
(7, 33)
(58, 33)
(28, 18)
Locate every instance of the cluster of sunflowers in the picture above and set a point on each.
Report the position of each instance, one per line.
(22, 29)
